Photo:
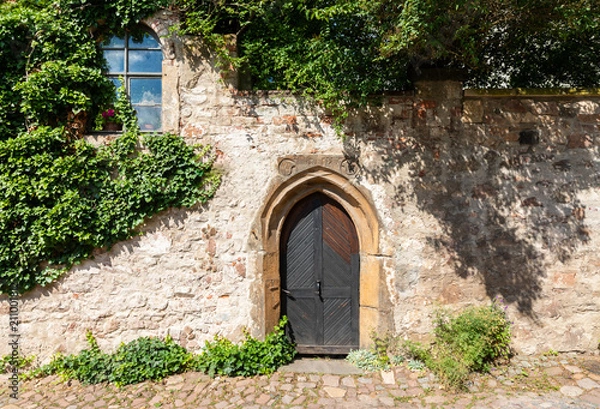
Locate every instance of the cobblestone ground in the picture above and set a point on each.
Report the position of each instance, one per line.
(565, 381)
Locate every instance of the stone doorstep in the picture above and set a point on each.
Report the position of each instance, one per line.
(321, 366)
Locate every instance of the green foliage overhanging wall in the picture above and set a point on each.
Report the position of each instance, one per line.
(349, 49)
(61, 197)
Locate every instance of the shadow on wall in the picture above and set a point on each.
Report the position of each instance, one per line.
(508, 211)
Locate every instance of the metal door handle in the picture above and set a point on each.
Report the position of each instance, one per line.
(319, 287)
(287, 292)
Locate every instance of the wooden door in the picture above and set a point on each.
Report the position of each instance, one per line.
(319, 274)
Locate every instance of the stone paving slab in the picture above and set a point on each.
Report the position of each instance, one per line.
(324, 366)
(562, 382)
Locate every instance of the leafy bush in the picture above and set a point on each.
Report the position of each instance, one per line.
(150, 358)
(90, 366)
(480, 335)
(140, 360)
(469, 341)
(416, 351)
(7, 362)
(251, 357)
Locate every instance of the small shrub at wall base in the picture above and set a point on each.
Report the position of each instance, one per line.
(146, 358)
(251, 357)
(150, 358)
(469, 341)
(463, 343)
(7, 362)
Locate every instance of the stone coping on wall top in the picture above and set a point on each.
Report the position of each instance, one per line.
(532, 92)
(467, 93)
(287, 93)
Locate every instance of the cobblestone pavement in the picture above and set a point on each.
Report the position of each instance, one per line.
(564, 381)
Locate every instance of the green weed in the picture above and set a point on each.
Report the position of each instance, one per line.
(150, 358)
(251, 357)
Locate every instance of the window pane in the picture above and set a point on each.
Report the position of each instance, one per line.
(148, 117)
(116, 81)
(116, 60)
(145, 61)
(145, 91)
(145, 42)
(117, 84)
(114, 42)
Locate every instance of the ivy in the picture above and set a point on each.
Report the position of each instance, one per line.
(146, 358)
(248, 358)
(151, 358)
(62, 197)
(58, 89)
(327, 51)
(61, 200)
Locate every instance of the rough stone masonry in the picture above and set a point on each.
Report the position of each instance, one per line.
(459, 197)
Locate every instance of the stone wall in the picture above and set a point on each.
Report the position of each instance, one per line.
(494, 195)
(473, 196)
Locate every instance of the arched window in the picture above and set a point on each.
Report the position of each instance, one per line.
(138, 59)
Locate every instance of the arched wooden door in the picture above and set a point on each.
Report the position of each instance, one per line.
(320, 276)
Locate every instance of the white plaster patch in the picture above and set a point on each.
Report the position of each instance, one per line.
(155, 244)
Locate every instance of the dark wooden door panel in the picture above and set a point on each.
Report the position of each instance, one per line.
(336, 271)
(319, 254)
(338, 231)
(337, 322)
(300, 254)
(303, 313)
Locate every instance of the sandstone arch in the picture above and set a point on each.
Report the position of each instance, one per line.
(355, 200)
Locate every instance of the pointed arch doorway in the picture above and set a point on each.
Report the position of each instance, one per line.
(319, 257)
(298, 181)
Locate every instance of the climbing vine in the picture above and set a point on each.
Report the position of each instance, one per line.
(62, 197)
